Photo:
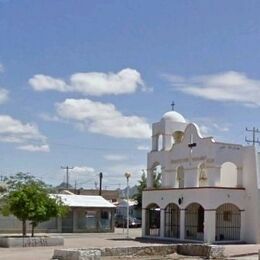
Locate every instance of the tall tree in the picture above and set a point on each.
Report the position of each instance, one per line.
(29, 200)
(142, 185)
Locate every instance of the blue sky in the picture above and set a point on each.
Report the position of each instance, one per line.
(81, 82)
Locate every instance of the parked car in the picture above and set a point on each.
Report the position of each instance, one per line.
(121, 221)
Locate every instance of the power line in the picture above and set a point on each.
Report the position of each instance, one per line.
(254, 140)
(93, 148)
(67, 168)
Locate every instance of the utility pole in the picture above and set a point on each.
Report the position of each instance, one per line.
(67, 168)
(254, 140)
(100, 183)
(127, 175)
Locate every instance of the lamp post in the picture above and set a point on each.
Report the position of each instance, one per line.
(127, 175)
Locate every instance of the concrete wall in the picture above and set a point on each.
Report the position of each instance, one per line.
(11, 224)
(82, 221)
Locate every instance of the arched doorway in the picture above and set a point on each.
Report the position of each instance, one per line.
(194, 222)
(228, 222)
(172, 221)
(152, 220)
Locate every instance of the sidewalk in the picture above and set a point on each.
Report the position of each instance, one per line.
(74, 240)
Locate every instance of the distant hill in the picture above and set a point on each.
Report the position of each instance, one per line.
(63, 185)
(132, 191)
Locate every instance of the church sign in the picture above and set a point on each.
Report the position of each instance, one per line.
(194, 159)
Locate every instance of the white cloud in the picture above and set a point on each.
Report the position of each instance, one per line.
(3, 95)
(209, 126)
(82, 169)
(227, 86)
(205, 130)
(143, 148)
(41, 82)
(92, 83)
(14, 131)
(115, 157)
(101, 118)
(35, 148)
(50, 118)
(117, 172)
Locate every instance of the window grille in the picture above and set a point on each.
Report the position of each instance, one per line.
(228, 223)
(172, 221)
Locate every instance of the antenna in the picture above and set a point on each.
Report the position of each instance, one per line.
(254, 140)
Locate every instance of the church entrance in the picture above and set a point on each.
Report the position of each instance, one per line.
(152, 220)
(194, 222)
(172, 221)
(228, 222)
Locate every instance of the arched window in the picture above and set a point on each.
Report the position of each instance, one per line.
(178, 136)
(202, 175)
(228, 175)
(180, 177)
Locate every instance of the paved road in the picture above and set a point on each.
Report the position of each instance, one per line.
(117, 239)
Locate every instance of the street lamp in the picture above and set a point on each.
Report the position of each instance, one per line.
(127, 175)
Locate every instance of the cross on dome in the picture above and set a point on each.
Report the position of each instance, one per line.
(172, 104)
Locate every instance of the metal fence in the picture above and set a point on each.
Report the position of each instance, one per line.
(172, 221)
(194, 222)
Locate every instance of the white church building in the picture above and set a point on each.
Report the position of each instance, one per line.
(209, 191)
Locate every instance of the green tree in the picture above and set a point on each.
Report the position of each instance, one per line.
(142, 185)
(29, 200)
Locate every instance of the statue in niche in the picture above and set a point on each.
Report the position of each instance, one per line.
(202, 175)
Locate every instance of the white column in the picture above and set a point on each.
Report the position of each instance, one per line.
(155, 143)
(243, 225)
(239, 177)
(149, 179)
(209, 226)
(164, 177)
(144, 224)
(162, 219)
(174, 178)
(182, 224)
(167, 142)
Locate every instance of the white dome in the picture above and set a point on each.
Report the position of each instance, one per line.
(174, 117)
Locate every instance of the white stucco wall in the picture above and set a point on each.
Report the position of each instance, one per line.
(232, 176)
(208, 198)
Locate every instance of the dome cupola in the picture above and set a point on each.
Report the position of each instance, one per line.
(173, 116)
